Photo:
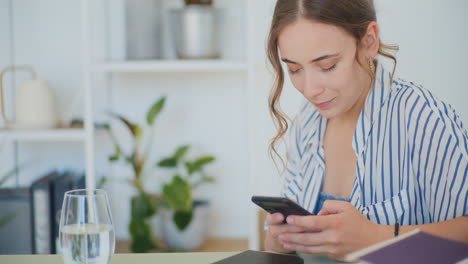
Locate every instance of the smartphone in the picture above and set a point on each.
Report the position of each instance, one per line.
(279, 205)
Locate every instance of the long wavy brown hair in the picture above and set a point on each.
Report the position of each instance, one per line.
(353, 16)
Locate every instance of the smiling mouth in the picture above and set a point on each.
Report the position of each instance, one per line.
(324, 105)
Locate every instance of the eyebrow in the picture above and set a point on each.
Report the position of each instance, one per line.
(314, 60)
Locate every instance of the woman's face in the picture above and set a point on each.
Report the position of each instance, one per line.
(321, 61)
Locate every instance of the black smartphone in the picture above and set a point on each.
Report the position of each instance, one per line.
(279, 205)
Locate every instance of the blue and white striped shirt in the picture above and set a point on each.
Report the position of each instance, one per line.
(412, 155)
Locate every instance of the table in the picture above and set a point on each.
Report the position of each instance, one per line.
(148, 258)
(210, 245)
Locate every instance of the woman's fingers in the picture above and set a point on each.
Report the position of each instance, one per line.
(311, 223)
(308, 239)
(275, 219)
(307, 249)
(276, 230)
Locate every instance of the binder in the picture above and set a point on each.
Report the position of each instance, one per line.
(42, 214)
(66, 181)
(33, 213)
(16, 234)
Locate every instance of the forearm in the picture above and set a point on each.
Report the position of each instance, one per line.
(455, 229)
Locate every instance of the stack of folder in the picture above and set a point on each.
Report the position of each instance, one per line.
(33, 213)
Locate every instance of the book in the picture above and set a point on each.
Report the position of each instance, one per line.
(65, 181)
(42, 214)
(413, 247)
(15, 221)
(60, 185)
(260, 257)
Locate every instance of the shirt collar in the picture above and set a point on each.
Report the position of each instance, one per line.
(372, 107)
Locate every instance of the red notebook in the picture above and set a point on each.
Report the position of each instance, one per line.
(413, 247)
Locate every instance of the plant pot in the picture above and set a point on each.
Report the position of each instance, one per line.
(193, 236)
(120, 194)
(195, 30)
(143, 22)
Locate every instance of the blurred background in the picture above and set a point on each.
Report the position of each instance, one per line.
(208, 60)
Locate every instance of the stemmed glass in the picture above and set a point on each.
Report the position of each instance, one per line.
(86, 228)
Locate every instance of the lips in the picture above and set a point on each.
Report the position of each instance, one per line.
(324, 105)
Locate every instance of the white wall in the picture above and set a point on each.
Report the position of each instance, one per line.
(433, 38)
(210, 110)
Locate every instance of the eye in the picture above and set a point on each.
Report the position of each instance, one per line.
(291, 71)
(329, 69)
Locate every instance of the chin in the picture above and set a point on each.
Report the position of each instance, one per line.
(329, 113)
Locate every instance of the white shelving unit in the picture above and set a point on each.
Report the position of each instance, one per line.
(164, 66)
(244, 66)
(49, 135)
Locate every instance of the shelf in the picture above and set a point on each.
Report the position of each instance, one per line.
(171, 66)
(68, 134)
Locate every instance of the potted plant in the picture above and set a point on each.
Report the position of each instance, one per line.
(195, 28)
(143, 205)
(184, 218)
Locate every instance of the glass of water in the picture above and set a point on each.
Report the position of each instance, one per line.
(86, 229)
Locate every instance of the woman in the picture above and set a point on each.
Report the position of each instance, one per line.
(368, 151)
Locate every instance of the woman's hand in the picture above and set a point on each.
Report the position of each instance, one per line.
(276, 227)
(342, 230)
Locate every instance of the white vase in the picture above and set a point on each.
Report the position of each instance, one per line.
(120, 193)
(193, 236)
(143, 20)
(195, 31)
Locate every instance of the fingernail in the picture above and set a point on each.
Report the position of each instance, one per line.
(288, 246)
(290, 220)
(281, 237)
(279, 217)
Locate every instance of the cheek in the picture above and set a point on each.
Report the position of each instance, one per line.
(344, 81)
(297, 82)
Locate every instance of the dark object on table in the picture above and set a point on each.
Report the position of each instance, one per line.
(260, 257)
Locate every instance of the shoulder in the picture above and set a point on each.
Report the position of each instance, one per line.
(413, 99)
(424, 110)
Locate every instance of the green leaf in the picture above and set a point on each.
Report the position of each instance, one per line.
(182, 219)
(168, 163)
(202, 180)
(7, 218)
(178, 194)
(130, 159)
(105, 126)
(142, 236)
(143, 206)
(155, 110)
(101, 182)
(207, 179)
(198, 164)
(116, 155)
(131, 126)
(180, 152)
(138, 132)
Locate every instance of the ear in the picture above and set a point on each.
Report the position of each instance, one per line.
(371, 40)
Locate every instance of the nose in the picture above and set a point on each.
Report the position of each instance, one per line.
(312, 85)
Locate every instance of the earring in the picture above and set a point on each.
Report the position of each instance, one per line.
(371, 65)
